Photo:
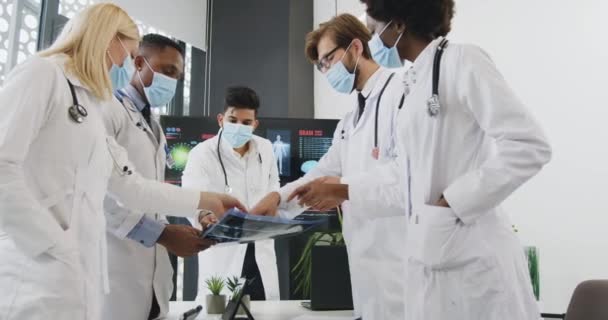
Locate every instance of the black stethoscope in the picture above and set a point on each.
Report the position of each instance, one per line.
(376, 150)
(227, 187)
(433, 102)
(120, 96)
(77, 112)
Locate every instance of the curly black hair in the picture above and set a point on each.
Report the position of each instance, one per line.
(426, 19)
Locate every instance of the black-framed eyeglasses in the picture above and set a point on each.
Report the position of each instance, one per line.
(325, 63)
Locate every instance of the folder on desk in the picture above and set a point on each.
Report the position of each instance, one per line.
(237, 227)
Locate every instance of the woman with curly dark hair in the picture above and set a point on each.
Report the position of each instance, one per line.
(467, 143)
(470, 144)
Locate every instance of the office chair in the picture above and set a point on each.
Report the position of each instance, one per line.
(589, 302)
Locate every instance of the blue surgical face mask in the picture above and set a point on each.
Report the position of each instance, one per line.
(384, 56)
(162, 89)
(121, 75)
(237, 135)
(339, 77)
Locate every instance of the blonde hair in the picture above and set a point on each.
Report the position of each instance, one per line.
(85, 40)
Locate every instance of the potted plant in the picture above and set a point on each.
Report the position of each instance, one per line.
(323, 266)
(216, 302)
(532, 258)
(235, 289)
(532, 255)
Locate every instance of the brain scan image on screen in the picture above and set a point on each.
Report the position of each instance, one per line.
(308, 166)
(179, 152)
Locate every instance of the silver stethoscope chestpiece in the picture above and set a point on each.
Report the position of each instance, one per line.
(78, 113)
(433, 105)
(228, 190)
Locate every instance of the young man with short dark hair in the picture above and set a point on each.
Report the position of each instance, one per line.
(243, 165)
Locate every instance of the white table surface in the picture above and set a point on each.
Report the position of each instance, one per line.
(265, 310)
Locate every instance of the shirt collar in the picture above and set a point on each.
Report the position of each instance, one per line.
(371, 83)
(135, 97)
(250, 152)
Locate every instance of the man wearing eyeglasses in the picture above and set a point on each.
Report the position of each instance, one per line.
(363, 140)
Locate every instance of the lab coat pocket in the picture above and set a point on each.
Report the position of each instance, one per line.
(65, 252)
(439, 240)
(483, 289)
(57, 204)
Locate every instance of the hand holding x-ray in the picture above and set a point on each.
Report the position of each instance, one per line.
(268, 206)
(219, 203)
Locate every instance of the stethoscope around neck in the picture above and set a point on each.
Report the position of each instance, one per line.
(433, 106)
(120, 96)
(77, 112)
(227, 188)
(376, 117)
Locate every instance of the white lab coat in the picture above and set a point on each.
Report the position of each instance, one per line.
(250, 178)
(54, 175)
(374, 235)
(464, 262)
(136, 272)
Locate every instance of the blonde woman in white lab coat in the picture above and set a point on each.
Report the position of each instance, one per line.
(242, 164)
(464, 159)
(56, 164)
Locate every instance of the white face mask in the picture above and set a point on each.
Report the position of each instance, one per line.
(383, 55)
(237, 135)
(121, 75)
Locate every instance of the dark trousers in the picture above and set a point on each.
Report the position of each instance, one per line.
(155, 309)
(251, 272)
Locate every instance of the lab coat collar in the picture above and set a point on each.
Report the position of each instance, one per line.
(61, 60)
(371, 83)
(135, 97)
(426, 56)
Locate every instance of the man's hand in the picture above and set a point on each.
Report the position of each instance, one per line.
(443, 203)
(268, 206)
(219, 203)
(320, 195)
(183, 241)
(329, 180)
(207, 219)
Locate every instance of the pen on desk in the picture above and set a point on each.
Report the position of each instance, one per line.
(191, 314)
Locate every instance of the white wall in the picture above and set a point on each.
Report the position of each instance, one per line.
(184, 19)
(555, 55)
(330, 104)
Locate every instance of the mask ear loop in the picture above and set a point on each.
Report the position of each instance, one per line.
(385, 27)
(139, 71)
(141, 80)
(344, 55)
(398, 39)
(356, 64)
(110, 56)
(124, 48)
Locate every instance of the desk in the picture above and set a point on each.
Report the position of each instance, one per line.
(266, 310)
